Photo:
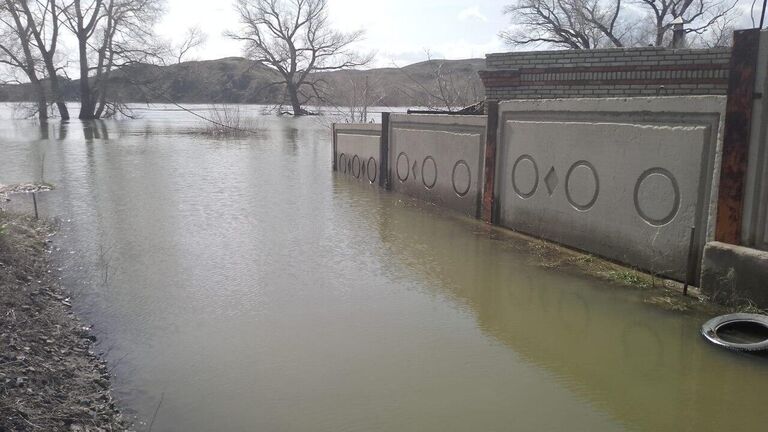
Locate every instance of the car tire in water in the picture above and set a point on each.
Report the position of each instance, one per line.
(754, 325)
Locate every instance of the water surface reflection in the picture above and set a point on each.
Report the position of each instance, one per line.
(256, 290)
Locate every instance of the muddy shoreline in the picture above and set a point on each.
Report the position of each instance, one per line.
(50, 377)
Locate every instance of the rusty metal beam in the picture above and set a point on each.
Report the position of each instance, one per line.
(384, 152)
(334, 137)
(738, 120)
(489, 172)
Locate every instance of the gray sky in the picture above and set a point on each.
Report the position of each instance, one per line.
(397, 30)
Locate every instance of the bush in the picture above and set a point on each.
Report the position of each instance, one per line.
(227, 120)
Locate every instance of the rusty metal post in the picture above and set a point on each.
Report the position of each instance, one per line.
(384, 152)
(34, 202)
(738, 122)
(333, 146)
(489, 171)
(690, 275)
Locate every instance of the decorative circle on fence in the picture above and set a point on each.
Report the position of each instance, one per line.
(525, 176)
(356, 166)
(461, 177)
(657, 196)
(429, 172)
(372, 168)
(582, 185)
(342, 163)
(403, 167)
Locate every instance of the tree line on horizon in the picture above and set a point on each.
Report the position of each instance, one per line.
(296, 41)
(589, 24)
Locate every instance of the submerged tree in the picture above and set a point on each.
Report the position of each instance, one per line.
(437, 85)
(295, 39)
(353, 94)
(110, 34)
(16, 51)
(29, 41)
(44, 17)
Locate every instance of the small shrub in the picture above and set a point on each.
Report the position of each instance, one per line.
(228, 121)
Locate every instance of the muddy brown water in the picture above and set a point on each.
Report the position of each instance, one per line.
(252, 289)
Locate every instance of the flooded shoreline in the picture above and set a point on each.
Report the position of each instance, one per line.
(252, 289)
(50, 379)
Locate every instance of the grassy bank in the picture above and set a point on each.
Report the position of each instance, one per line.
(49, 378)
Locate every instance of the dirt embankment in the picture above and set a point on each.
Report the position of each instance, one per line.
(50, 380)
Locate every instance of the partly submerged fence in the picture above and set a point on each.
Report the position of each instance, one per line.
(626, 179)
(647, 181)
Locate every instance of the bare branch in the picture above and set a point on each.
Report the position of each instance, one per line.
(294, 38)
(588, 24)
(194, 38)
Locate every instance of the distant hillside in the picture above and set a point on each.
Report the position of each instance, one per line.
(237, 80)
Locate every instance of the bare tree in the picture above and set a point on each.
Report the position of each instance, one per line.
(17, 51)
(294, 38)
(110, 34)
(83, 20)
(697, 16)
(30, 36)
(194, 38)
(43, 18)
(576, 24)
(440, 87)
(354, 95)
(588, 24)
(719, 35)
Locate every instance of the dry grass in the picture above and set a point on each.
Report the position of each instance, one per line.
(228, 121)
(49, 379)
(654, 290)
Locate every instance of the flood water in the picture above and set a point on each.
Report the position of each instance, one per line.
(240, 285)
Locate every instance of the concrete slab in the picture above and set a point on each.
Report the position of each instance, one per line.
(356, 151)
(731, 274)
(622, 178)
(438, 158)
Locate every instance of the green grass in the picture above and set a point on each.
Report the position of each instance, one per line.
(627, 277)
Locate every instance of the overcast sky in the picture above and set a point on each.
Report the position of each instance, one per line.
(397, 30)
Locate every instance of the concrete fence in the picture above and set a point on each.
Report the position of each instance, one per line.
(653, 182)
(629, 179)
(626, 179)
(434, 157)
(438, 158)
(356, 151)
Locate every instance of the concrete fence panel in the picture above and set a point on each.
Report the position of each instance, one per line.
(438, 158)
(622, 178)
(356, 151)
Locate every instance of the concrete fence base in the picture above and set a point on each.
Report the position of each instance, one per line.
(735, 274)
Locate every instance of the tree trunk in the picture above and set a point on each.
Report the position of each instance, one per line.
(42, 102)
(63, 111)
(102, 105)
(87, 104)
(293, 93)
(42, 105)
(60, 104)
(659, 33)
